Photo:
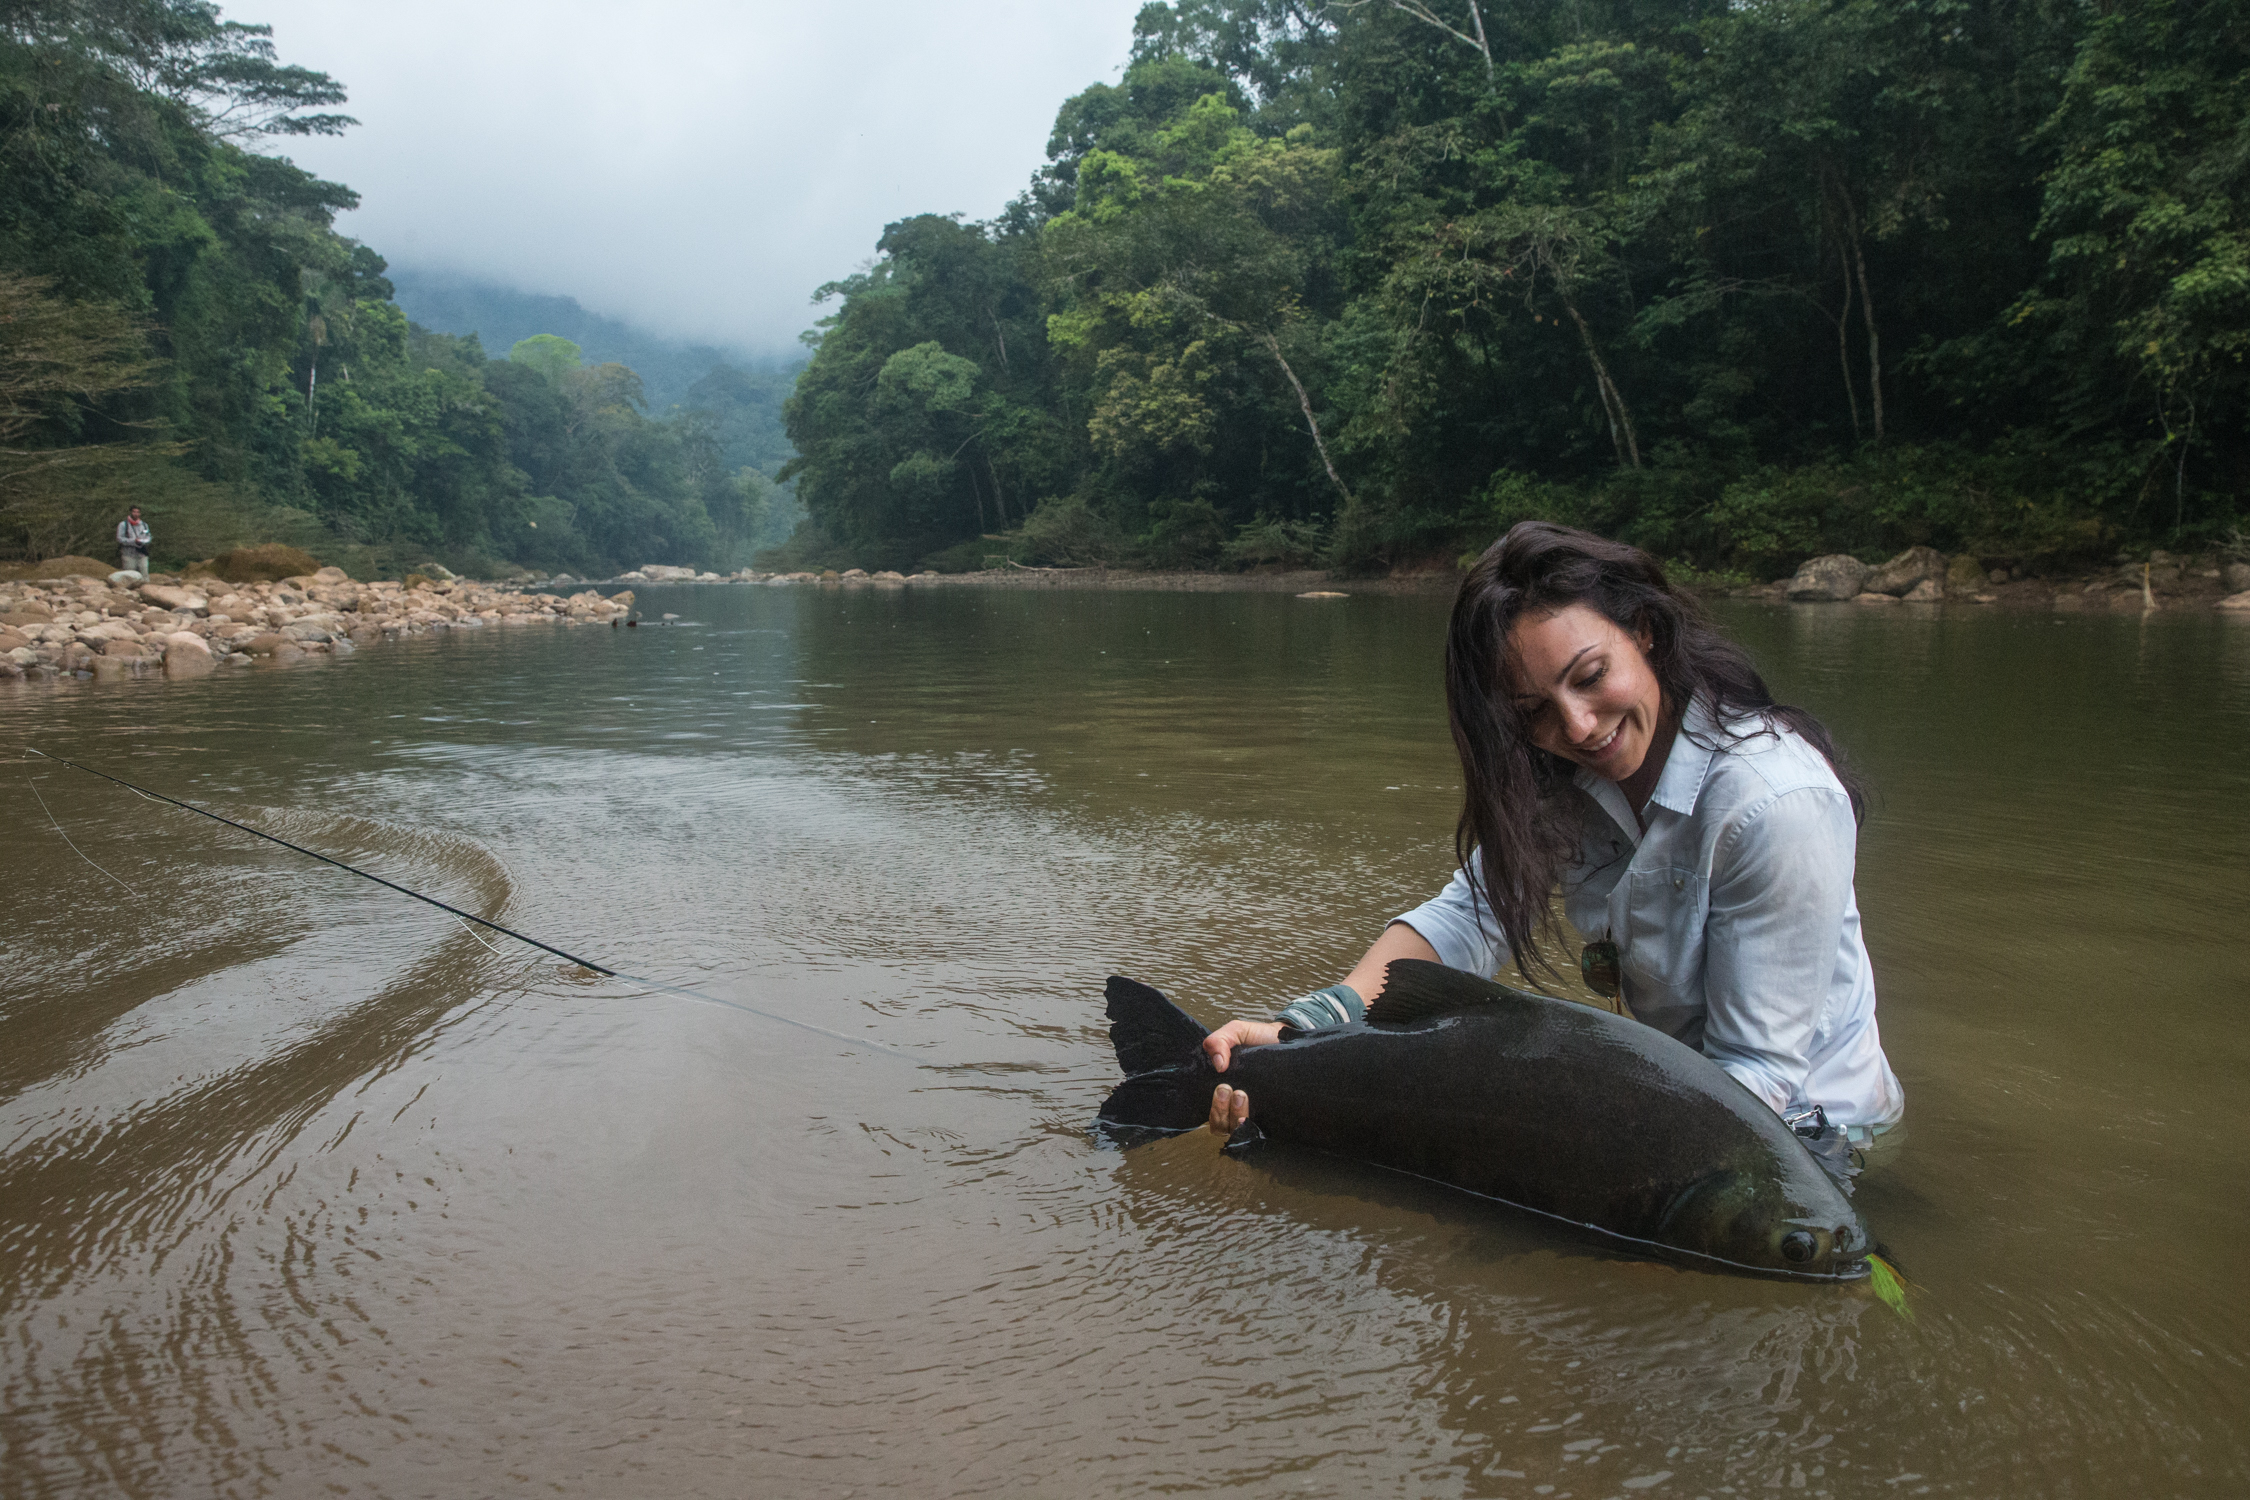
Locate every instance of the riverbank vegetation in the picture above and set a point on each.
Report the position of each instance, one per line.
(1365, 282)
(185, 329)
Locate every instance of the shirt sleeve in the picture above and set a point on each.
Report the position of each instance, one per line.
(1460, 926)
(1781, 887)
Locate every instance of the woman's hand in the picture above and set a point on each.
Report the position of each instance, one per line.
(1230, 1107)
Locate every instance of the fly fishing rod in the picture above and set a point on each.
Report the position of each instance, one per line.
(583, 963)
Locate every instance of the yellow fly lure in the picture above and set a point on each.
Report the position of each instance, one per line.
(1889, 1286)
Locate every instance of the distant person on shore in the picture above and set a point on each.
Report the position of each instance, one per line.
(132, 542)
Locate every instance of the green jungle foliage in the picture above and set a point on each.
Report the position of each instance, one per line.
(1743, 282)
(184, 329)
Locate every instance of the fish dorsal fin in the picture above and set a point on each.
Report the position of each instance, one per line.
(1414, 989)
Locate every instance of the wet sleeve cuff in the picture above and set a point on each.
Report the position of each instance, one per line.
(1337, 1005)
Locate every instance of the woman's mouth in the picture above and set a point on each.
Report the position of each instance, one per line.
(1604, 745)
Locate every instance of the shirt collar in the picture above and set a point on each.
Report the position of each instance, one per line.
(1681, 781)
(1693, 750)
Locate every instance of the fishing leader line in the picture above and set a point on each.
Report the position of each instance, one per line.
(651, 985)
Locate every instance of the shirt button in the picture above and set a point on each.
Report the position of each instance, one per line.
(1679, 882)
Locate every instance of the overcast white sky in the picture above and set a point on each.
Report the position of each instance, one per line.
(694, 166)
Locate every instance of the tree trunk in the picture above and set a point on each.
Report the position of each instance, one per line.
(1001, 334)
(1476, 19)
(1312, 424)
(1866, 313)
(978, 491)
(1621, 435)
(999, 496)
(1843, 329)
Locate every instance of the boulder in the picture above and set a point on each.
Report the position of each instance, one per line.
(2236, 601)
(124, 577)
(12, 639)
(126, 650)
(1836, 576)
(168, 596)
(2236, 576)
(1928, 591)
(186, 655)
(1873, 598)
(109, 630)
(1902, 573)
(272, 643)
(24, 656)
(303, 631)
(39, 614)
(1964, 575)
(332, 575)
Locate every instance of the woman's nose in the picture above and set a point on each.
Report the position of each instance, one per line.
(1578, 719)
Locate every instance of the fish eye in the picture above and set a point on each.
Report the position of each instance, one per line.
(1799, 1246)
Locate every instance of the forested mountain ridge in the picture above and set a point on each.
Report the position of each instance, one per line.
(181, 327)
(742, 391)
(1742, 282)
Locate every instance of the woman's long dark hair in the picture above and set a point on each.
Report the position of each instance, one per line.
(1519, 830)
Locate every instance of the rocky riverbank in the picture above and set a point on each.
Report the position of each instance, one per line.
(1919, 575)
(119, 625)
(1924, 575)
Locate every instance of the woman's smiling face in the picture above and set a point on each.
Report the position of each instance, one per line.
(1586, 688)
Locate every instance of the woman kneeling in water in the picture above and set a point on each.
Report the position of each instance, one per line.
(1614, 743)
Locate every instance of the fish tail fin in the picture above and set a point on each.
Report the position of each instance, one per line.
(1889, 1286)
(1160, 1048)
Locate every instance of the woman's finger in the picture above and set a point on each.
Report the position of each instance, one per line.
(1229, 1109)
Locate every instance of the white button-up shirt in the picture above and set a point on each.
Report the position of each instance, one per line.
(1736, 925)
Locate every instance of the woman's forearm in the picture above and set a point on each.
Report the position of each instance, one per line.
(1398, 941)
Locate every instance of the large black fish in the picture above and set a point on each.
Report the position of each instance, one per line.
(1562, 1109)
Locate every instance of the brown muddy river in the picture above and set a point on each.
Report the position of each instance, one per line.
(306, 1189)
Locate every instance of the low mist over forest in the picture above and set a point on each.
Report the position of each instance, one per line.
(1355, 284)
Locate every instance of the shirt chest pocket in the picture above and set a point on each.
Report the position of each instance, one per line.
(1661, 927)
